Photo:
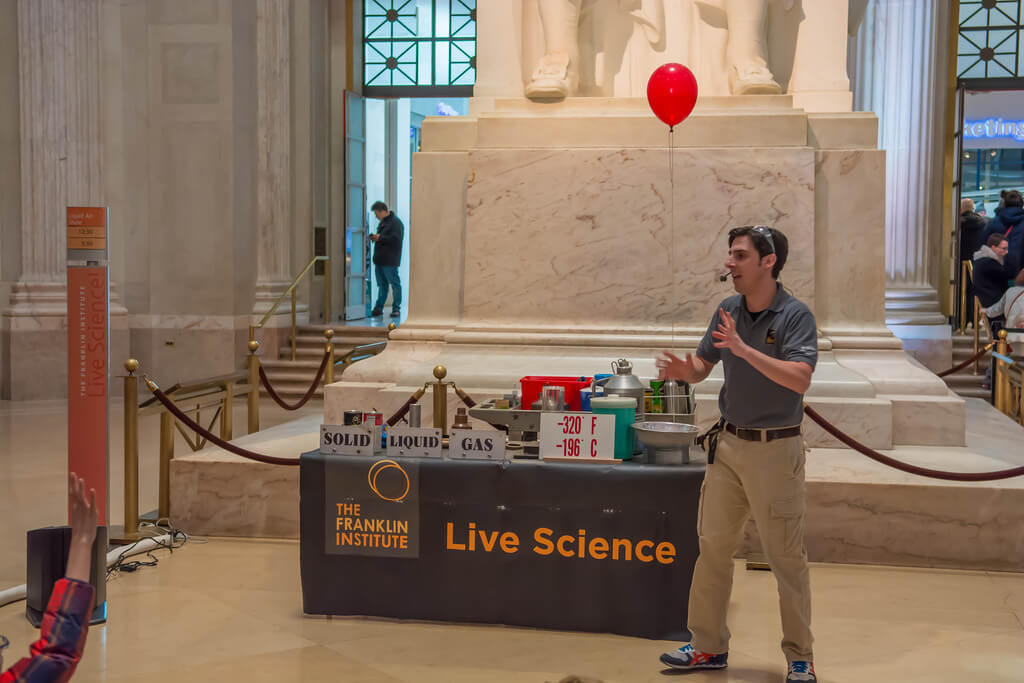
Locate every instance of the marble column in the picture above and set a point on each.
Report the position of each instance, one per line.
(273, 148)
(61, 164)
(898, 69)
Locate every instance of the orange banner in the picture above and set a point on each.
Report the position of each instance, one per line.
(87, 227)
(87, 379)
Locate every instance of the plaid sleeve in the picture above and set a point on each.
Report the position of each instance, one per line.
(62, 636)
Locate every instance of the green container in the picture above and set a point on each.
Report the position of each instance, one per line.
(657, 405)
(624, 410)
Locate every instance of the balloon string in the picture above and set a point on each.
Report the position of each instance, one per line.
(672, 234)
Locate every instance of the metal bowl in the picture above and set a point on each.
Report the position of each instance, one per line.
(667, 443)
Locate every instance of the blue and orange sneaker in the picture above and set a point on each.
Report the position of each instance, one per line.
(688, 658)
(801, 672)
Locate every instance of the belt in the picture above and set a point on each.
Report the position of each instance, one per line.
(762, 434)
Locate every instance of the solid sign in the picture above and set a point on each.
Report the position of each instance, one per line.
(481, 444)
(350, 439)
(87, 379)
(414, 441)
(374, 510)
(577, 436)
(87, 227)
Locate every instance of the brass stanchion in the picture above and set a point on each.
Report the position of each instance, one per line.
(294, 303)
(440, 399)
(254, 387)
(129, 533)
(963, 296)
(327, 290)
(1020, 407)
(166, 455)
(329, 350)
(227, 418)
(1002, 375)
(977, 335)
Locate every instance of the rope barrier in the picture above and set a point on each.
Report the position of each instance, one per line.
(904, 467)
(463, 396)
(401, 412)
(212, 438)
(961, 366)
(309, 393)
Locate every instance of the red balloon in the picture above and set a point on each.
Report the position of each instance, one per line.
(672, 93)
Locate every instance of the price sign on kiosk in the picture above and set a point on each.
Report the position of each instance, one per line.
(577, 436)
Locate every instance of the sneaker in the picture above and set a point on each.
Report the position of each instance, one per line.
(395, 313)
(801, 672)
(376, 313)
(688, 658)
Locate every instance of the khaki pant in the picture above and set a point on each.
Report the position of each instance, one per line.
(766, 481)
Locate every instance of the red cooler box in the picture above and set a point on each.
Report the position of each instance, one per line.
(532, 385)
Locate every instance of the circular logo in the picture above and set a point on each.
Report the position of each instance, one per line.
(391, 486)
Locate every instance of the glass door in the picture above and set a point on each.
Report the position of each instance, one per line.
(357, 254)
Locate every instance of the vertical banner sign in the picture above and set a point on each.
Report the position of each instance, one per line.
(88, 349)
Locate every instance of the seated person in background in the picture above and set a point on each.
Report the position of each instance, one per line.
(990, 277)
(62, 639)
(1011, 308)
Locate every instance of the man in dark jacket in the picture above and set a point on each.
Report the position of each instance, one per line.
(991, 278)
(1009, 222)
(972, 229)
(387, 255)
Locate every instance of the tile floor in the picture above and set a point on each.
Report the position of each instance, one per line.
(230, 609)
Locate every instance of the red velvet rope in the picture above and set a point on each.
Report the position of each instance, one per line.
(216, 440)
(957, 368)
(904, 467)
(309, 393)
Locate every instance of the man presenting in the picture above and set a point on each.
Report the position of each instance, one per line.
(767, 342)
(387, 255)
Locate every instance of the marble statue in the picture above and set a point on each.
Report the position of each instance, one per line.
(558, 72)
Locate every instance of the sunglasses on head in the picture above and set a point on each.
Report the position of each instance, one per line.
(767, 234)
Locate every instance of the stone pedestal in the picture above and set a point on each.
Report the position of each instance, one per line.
(563, 239)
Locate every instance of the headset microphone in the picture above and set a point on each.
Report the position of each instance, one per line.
(723, 278)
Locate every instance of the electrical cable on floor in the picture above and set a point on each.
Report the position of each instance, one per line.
(171, 540)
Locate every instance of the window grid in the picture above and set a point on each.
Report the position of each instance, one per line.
(988, 44)
(399, 61)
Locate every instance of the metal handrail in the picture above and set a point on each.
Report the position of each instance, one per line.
(360, 353)
(291, 290)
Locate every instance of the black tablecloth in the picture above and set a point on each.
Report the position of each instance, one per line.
(437, 579)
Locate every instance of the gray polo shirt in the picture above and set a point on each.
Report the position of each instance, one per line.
(785, 330)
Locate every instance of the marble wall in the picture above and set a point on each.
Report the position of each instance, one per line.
(586, 235)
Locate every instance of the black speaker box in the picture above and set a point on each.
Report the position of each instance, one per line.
(48, 560)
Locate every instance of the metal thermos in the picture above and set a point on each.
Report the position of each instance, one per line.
(415, 413)
(673, 397)
(625, 383)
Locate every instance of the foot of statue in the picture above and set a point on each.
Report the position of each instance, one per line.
(753, 79)
(553, 77)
